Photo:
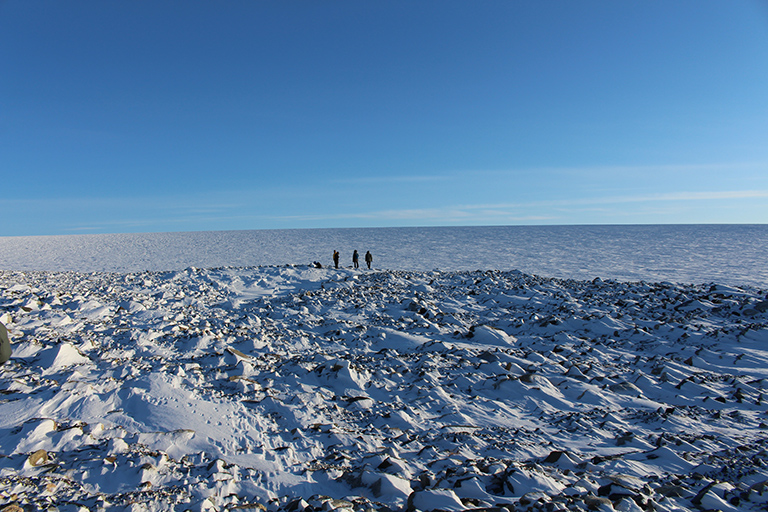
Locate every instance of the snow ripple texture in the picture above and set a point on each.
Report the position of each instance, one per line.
(301, 389)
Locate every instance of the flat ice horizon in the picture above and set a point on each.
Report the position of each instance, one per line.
(725, 254)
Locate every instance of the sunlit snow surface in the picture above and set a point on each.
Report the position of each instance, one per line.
(218, 384)
(727, 254)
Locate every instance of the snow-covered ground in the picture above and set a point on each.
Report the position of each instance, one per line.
(294, 388)
(725, 254)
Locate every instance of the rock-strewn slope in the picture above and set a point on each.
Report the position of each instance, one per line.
(297, 388)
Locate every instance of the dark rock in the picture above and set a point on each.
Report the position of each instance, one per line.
(597, 502)
(674, 491)
(554, 456)
(615, 492)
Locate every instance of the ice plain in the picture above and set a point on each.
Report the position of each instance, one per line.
(160, 384)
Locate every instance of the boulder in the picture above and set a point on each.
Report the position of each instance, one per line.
(5, 345)
(38, 458)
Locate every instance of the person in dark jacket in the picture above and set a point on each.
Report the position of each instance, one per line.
(336, 258)
(368, 258)
(355, 259)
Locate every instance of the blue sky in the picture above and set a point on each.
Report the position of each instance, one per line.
(126, 116)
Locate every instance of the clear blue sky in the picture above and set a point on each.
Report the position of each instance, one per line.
(127, 116)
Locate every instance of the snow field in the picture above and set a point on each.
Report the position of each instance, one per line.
(296, 389)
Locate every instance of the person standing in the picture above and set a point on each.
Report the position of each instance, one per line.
(355, 259)
(336, 258)
(368, 258)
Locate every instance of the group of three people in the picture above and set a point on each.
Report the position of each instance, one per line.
(355, 259)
